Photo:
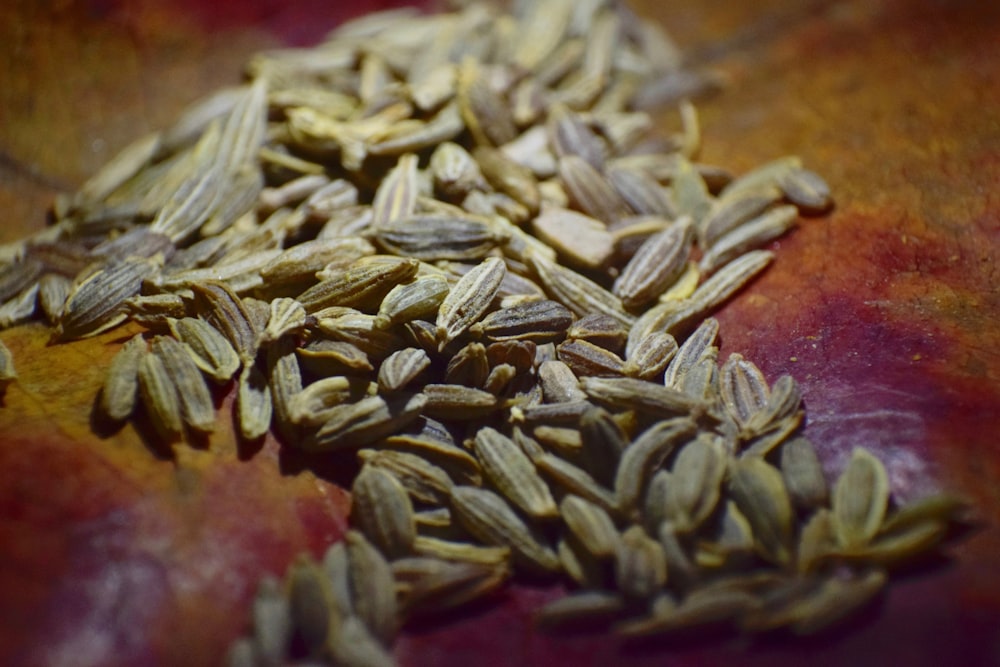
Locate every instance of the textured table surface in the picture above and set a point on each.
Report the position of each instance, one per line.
(886, 311)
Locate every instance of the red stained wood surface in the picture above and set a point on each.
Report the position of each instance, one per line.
(886, 312)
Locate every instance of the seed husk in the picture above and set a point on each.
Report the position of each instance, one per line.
(860, 499)
(469, 299)
(195, 398)
(121, 383)
(382, 510)
(513, 474)
(159, 396)
(760, 494)
(490, 519)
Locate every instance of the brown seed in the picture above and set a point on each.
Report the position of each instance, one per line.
(591, 525)
(96, 303)
(253, 403)
(310, 603)
(360, 285)
(590, 191)
(644, 456)
(382, 510)
(424, 481)
(195, 398)
(469, 299)
(400, 368)
(578, 239)
(759, 493)
(210, 350)
(655, 266)
(120, 384)
(806, 189)
(640, 566)
(159, 396)
(860, 499)
(364, 422)
(803, 474)
(490, 519)
(372, 586)
(513, 474)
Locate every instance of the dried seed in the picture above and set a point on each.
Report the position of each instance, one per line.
(817, 541)
(640, 566)
(490, 519)
(744, 389)
(469, 299)
(358, 329)
(580, 607)
(461, 552)
(195, 399)
(271, 622)
(396, 196)
(591, 525)
(95, 304)
(434, 237)
(540, 321)
(372, 586)
(424, 481)
(285, 381)
(225, 311)
(120, 384)
(578, 239)
(301, 262)
(581, 295)
(603, 441)
(418, 299)
(400, 368)
(559, 383)
(650, 357)
(835, 599)
(324, 357)
(364, 422)
(590, 191)
(747, 236)
(354, 644)
(508, 177)
(469, 366)
(644, 456)
(570, 135)
(431, 585)
(732, 210)
(359, 285)
(806, 189)
(699, 345)
(860, 499)
(485, 112)
(803, 474)
(655, 266)
(513, 474)
(634, 394)
(53, 290)
(337, 568)
(763, 176)
(159, 396)
(310, 603)
(697, 475)
(759, 493)
(455, 171)
(253, 403)
(310, 406)
(382, 510)
(601, 330)
(701, 607)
